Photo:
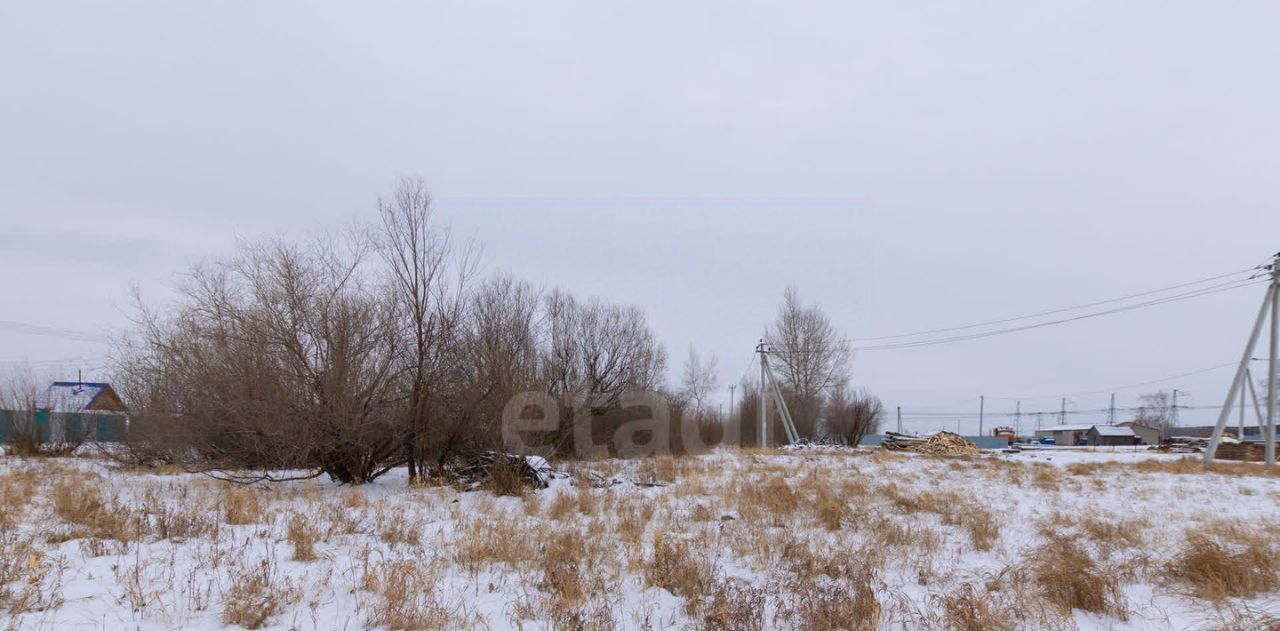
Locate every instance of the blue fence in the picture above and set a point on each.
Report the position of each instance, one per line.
(58, 427)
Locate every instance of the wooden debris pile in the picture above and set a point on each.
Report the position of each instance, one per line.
(1183, 444)
(1245, 452)
(477, 468)
(939, 444)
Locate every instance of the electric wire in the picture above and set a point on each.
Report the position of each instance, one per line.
(1059, 310)
(973, 336)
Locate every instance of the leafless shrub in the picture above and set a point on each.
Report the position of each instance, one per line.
(278, 358)
(851, 416)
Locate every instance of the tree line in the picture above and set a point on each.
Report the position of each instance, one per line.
(382, 346)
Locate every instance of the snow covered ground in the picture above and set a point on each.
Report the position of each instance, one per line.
(732, 540)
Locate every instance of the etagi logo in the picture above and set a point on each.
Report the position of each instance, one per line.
(530, 419)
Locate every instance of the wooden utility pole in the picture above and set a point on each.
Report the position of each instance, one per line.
(982, 408)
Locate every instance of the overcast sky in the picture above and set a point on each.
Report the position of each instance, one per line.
(907, 165)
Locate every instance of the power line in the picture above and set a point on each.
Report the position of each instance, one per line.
(1059, 310)
(929, 416)
(49, 331)
(973, 336)
(1133, 385)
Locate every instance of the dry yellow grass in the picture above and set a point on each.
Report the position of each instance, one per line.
(302, 535)
(1215, 570)
(1068, 577)
(256, 594)
(681, 569)
(27, 580)
(808, 541)
(971, 608)
(405, 597)
(85, 503)
(241, 505)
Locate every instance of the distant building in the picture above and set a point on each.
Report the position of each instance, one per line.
(1128, 433)
(69, 412)
(1147, 435)
(1111, 435)
(1066, 434)
(70, 397)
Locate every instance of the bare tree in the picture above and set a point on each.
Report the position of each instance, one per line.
(598, 348)
(699, 379)
(497, 358)
(280, 358)
(428, 278)
(19, 391)
(814, 358)
(852, 415)
(593, 353)
(1156, 411)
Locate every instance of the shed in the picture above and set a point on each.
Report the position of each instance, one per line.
(1147, 435)
(1066, 434)
(1112, 435)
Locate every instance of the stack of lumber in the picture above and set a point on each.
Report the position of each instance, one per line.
(1247, 452)
(939, 444)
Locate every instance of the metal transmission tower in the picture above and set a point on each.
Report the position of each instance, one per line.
(1173, 412)
(1271, 305)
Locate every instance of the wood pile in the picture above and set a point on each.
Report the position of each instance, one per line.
(477, 468)
(1183, 445)
(939, 444)
(1246, 452)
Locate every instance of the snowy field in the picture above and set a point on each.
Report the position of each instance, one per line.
(1051, 539)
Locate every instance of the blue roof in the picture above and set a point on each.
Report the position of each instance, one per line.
(87, 384)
